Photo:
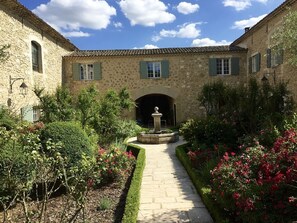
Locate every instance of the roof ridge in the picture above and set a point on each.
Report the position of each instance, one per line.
(16, 7)
(157, 51)
(276, 11)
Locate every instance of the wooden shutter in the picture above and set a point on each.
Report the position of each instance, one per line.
(27, 113)
(97, 71)
(76, 71)
(212, 63)
(165, 69)
(250, 65)
(143, 69)
(268, 58)
(235, 66)
(258, 62)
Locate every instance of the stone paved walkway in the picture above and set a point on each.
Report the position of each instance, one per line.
(167, 193)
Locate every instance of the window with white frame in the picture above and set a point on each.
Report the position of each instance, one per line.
(154, 69)
(223, 66)
(36, 114)
(86, 71)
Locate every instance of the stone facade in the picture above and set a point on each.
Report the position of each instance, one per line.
(17, 28)
(188, 72)
(187, 69)
(258, 40)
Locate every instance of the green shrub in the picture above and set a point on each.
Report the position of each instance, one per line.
(6, 119)
(209, 131)
(75, 141)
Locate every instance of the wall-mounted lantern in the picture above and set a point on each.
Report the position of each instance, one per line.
(23, 86)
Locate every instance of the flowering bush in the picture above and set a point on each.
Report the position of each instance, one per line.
(260, 184)
(113, 164)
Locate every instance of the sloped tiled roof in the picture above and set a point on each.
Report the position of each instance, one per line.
(159, 51)
(18, 9)
(284, 6)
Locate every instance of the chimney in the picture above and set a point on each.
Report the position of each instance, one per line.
(246, 29)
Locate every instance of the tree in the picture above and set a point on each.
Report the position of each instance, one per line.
(57, 106)
(4, 55)
(285, 37)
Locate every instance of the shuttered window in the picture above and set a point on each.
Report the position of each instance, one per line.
(154, 69)
(255, 63)
(83, 71)
(223, 66)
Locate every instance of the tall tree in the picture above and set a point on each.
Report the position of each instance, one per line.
(285, 36)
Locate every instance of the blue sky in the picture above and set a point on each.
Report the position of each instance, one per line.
(131, 24)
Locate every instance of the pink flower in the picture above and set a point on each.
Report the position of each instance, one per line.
(292, 199)
(236, 196)
(226, 156)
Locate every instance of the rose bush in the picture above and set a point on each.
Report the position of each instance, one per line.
(113, 164)
(259, 184)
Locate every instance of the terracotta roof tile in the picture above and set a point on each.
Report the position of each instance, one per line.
(159, 51)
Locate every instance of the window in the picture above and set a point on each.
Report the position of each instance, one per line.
(154, 69)
(255, 63)
(224, 66)
(86, 71)
(274, 57)
(36, 114)
(36, 56)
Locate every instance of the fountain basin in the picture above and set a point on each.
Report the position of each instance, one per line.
(157, 138)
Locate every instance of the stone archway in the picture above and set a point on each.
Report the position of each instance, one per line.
(145, 108)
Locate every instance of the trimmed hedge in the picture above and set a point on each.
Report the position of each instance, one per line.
(75, 141)
(203, 189)
(133, 196)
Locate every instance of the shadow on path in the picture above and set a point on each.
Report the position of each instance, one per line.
(167, 193)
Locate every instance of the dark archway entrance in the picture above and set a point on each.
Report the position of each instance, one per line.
(145, 108)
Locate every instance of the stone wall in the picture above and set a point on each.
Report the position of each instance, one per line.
(187, 74)
(19, 33)
(259, 40)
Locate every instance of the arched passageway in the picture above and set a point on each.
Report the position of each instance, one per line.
(145, 108)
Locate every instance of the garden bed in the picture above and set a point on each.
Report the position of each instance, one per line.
(105, 204)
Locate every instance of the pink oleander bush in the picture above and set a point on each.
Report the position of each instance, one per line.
(259, 184)
(113, 164)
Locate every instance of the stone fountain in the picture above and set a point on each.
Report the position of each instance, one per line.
(157, 135)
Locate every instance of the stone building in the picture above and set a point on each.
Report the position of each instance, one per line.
(169, 78)
(265, 63)
(36, 51)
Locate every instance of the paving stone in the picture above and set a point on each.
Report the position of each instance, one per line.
(167, 193)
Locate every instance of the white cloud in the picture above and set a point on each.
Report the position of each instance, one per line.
(241, 24)
(147, 46)
(118, 25)
(146, 12)
(75, 34)
(241, 4)
(209, 42)
(187, 8)
(185, 31)
(69, 16)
